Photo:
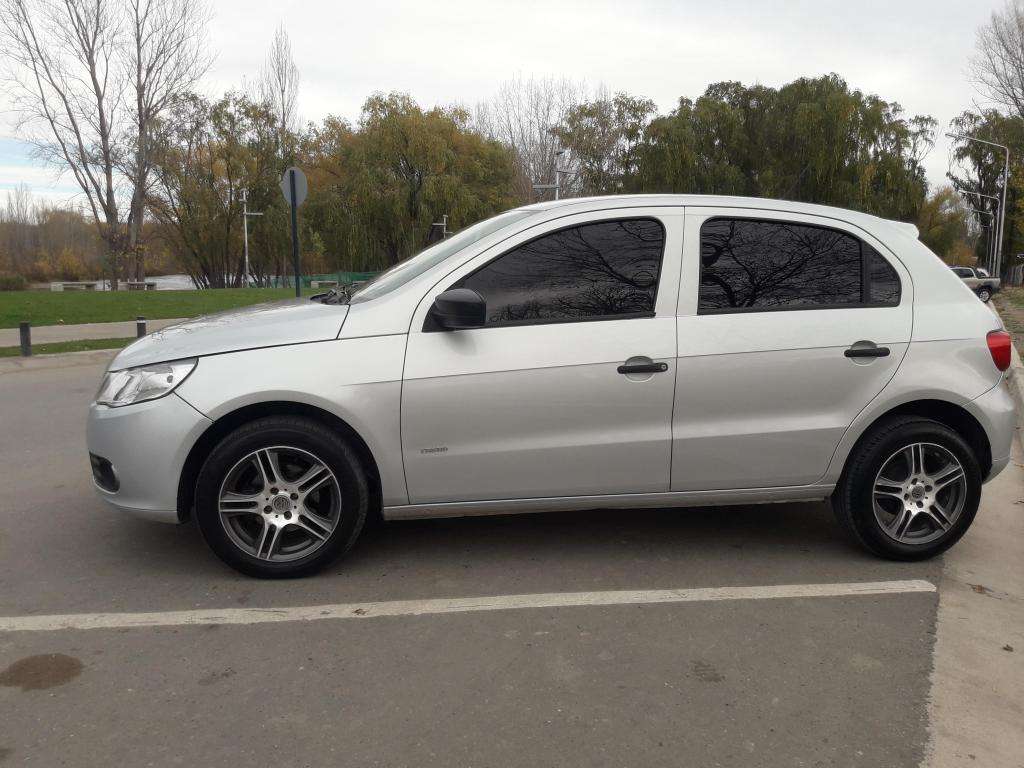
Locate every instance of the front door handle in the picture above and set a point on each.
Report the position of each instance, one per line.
(866, 349)
(642, 368)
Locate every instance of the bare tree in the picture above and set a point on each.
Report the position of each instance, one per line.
(164, 59)
(66, 86)
(279, 85)
(998, 65)
(88, 80)
(523, 115)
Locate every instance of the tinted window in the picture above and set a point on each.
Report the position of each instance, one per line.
(884, 283)
(605, 269)
(765, 265)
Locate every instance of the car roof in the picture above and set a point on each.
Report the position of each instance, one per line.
(867, 220)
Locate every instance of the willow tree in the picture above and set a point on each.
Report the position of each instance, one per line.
(813, 140)
(378, 188)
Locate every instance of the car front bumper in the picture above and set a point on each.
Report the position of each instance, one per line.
(146, 446)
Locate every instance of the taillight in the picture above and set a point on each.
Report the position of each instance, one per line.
(999, 346)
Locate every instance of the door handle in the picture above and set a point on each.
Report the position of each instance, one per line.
(866, 349)
(642, 368)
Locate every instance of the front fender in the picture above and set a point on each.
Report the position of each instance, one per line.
(357, 380)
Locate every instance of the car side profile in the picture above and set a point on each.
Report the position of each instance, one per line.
(614, 352)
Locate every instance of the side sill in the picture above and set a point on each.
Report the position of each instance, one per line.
(616, 501)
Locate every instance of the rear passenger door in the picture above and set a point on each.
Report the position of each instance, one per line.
(788, 326)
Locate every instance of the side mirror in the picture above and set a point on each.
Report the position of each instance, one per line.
(457, 309)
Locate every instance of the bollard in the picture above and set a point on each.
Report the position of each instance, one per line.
(140, 327)
(25, 331)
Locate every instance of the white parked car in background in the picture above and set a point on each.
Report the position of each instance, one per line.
(978, 280)
(641, 351)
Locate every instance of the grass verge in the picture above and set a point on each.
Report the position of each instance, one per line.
(71, 307)
(59, 347)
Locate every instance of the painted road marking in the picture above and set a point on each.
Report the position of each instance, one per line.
(452, 605)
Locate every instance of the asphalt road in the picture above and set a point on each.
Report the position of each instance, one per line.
(824, 681)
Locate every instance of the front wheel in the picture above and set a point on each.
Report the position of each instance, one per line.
(984, 294)
(910, 490)
(281, 497)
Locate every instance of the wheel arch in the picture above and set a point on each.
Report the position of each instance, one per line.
(230, 421)
(954, 416)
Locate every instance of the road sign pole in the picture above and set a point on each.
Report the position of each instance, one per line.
(295, 233)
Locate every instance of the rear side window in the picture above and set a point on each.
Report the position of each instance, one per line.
(604, 270)
(750, 265)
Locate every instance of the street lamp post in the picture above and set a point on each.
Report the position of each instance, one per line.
(1006, 183)
(246, 213)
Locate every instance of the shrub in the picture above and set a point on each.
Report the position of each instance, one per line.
(10, 282)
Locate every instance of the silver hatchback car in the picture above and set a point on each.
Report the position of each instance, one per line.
(646, 351)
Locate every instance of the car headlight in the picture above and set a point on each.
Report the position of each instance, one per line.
(147, 382)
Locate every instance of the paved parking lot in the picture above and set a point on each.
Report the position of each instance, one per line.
(767, 680)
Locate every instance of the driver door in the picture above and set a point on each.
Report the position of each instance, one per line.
(537, 402)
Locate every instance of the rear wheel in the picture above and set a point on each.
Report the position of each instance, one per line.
(280, 497)
(910, 490)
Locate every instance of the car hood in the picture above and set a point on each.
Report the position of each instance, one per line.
(273, 324)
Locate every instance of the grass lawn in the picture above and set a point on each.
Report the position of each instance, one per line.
(59, 347)
(1010, 303)
(70, 307)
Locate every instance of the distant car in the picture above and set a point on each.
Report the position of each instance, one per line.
(616, 352)
(978, 280)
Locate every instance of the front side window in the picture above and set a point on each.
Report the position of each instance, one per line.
(606, 269)
(757, 265)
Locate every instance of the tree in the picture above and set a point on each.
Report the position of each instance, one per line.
(814, 140)
(944, 223)
(523, 116)
(66, 85)
(980, 169)
(603, 138)
(166, 56)
(279, 87)
(205, 154)
(70, 67)
(998, 64)
(377, 189)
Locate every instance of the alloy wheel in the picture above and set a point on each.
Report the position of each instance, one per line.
(919, 493)
(279, 503)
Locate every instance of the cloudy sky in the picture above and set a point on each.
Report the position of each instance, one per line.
(911, 51)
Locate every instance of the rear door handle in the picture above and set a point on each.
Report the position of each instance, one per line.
(642, 368)
(866, 349)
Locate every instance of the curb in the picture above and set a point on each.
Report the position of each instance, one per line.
(1015, 383)
(62, 360)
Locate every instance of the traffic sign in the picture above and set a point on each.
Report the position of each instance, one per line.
(294, 191)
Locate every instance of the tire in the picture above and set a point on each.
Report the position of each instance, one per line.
(258, 472)
(870, 513)
(984, 294)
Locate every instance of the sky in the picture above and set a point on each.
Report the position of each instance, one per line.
(914, 52)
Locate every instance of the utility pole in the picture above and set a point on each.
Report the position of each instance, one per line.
(246, 213)
(443, 224)
(557, 186)
(1002, 203)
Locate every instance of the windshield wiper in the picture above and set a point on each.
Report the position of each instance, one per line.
(338, 295)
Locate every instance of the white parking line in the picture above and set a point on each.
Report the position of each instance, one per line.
(452, 605)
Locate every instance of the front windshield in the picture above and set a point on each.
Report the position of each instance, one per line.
(404, 271)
